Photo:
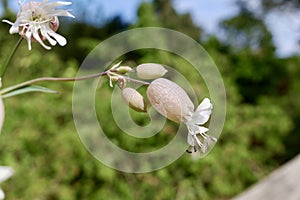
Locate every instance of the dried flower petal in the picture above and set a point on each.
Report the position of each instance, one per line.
(150, 71)
(134, 99)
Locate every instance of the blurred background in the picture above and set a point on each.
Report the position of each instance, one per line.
(255, 45)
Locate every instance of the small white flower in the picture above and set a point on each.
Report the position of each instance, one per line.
(38, 21)
(193, 123)
(5, 173)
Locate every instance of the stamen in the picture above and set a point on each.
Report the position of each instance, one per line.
(195, 149)
(204, 135)
(204, 148)
(213, 138)
(188, 151)
(198, 141)
(6, 21)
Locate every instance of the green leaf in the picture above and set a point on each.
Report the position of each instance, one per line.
(30, 88)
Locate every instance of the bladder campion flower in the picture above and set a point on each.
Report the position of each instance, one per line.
(5, 173)
(38, 21)
(200, 117)
(150, 71)
(170, 100)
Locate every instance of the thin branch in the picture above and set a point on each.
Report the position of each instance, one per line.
(11, 55)
(53, 79)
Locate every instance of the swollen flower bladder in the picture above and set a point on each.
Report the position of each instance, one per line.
(38, 21)
(150, 71)
(134, 99)
(170, 100)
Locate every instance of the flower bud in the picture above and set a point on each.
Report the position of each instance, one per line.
(150, 71)
(134, 99)
(170, 100)
(1, 113)
(123, 69)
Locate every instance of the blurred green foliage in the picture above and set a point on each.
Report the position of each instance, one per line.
(261, 132)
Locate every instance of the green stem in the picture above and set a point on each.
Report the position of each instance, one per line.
(53, 79)
(11, 55)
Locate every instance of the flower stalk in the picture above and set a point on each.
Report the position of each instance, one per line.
(54, 79)
(11, 55)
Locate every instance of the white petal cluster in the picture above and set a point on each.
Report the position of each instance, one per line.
(5, 173)
(38, 21)
(200, 117)
(170, 100)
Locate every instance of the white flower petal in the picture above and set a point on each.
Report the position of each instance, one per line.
(202, 113)
(5, 173)
(37, 37)
(60, 39)
(45, 35)
(202, 129)
(2, 195)
(199, 119)
(190, 140)
(50, 8)
(28, 36)
(205, 107)
(63, 13)
(14, 29)
(60, 3)
(8, 22)
(195, 129)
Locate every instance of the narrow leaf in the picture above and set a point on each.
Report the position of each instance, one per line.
(30, 88)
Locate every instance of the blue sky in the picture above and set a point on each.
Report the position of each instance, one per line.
(208, 13)
(205, 13)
